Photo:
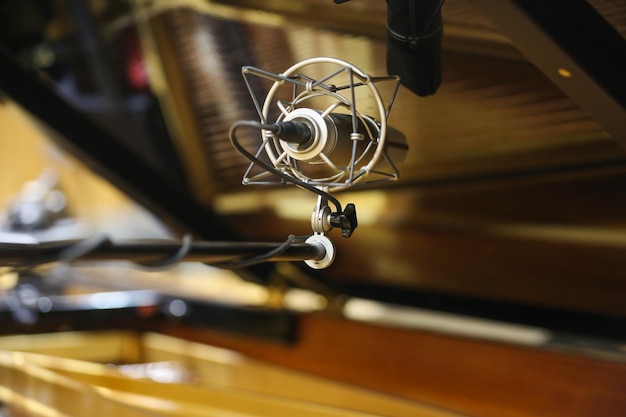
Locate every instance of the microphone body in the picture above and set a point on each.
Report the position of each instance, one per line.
(332, 137)
(314, 134)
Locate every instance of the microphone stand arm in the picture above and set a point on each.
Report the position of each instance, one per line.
(161, 253)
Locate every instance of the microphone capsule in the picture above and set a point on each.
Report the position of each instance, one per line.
(331, 139)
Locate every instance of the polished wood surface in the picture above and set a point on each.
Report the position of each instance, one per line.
(547, 241)
(468, 376)
(202, 380)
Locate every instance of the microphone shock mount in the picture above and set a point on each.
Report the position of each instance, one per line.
(315, 134)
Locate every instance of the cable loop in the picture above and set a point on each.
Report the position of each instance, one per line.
(171, 261)
(246, 262)
(232, 135)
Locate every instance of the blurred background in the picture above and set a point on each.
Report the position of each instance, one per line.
(503, 240)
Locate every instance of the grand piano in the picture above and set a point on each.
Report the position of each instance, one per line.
(488, 280)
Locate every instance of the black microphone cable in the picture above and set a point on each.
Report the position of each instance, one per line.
(232, 135)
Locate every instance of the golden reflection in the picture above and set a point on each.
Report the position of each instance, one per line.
(564, 72)
(225, 383)
(295, 204)
(413, 318)
(8, 279)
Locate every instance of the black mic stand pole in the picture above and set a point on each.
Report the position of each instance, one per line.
(159, 253)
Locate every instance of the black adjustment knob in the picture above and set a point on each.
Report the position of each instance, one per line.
(345, 221)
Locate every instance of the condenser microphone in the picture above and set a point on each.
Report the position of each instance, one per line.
(324, 123)
(307, 135)
(414, 35)
(324, 128)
